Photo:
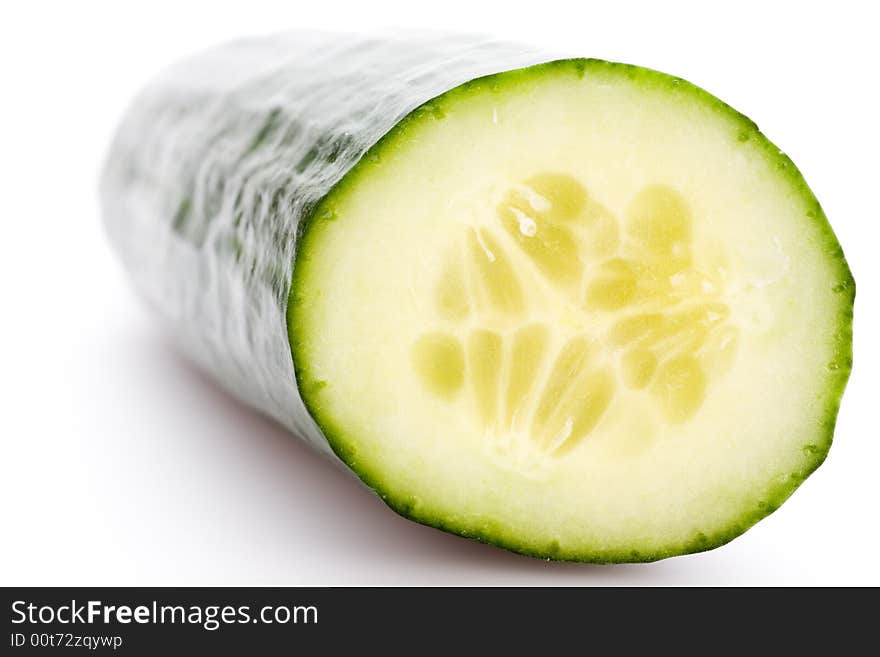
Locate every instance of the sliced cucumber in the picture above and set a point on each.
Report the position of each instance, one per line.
(580, 310)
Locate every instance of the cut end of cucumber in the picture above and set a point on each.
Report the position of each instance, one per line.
(581, 310)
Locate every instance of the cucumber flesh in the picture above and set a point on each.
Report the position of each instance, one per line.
(581, 310)
(576, 309)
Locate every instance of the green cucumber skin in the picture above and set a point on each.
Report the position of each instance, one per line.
(210, 190)
(218, 163)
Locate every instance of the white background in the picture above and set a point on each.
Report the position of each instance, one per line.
(122, 465)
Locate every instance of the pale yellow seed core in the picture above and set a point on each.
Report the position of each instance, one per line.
(667, 329)
(497, 285)
(680, 387)
(638, 366)
(438, 359)
(550, 416)
(484, 360)
(528, 350)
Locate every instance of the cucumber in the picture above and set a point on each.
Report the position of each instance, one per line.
(577, 309)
